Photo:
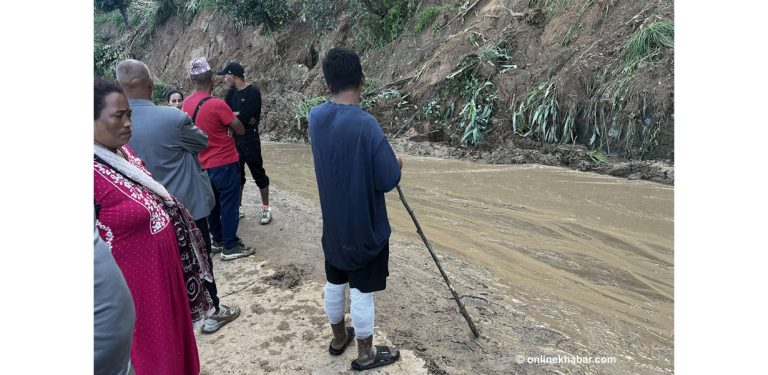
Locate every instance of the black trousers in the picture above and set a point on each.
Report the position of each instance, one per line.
(249, 148)
(202, 224)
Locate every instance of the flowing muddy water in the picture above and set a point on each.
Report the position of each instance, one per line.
(582, 251)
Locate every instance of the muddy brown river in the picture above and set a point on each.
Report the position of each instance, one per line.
(587, 251)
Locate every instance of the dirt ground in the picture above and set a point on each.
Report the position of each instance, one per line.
(283, 329)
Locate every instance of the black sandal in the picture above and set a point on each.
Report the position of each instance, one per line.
(350, 337)
(383, 357)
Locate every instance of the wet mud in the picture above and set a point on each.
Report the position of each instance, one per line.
(549, 262)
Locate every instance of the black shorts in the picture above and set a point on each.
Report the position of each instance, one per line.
(371, 278)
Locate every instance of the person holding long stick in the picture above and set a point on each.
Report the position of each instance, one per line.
(354, 167)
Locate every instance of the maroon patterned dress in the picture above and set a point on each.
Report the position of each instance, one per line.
(133, 222)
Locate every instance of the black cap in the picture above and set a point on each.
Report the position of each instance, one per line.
(234, 69)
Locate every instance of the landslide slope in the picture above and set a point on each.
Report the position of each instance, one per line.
(542, 77)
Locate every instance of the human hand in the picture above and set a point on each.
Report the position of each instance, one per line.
(399, 162)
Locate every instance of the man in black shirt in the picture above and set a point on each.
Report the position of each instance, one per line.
(245, 101)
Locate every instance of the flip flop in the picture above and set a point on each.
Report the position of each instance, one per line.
(350, 337)
(383, 357)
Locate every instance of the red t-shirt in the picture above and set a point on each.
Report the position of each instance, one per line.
(213, 118)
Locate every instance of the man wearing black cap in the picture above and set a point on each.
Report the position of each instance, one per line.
(245, 101)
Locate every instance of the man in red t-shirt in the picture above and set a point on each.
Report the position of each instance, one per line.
(220, 159)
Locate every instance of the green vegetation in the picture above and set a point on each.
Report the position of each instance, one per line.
(570, 35)
(379, 21)
(320, 13)
(158, 92)
(598, 157)
(610, 125)
(371, 94)
(647, 42)
(151, 14)
(495, 54)
(427, 16)
(106, 6)
(106, 57)
(634, 134)
(433, 113)
(371, 99)
(477, 112)
(478, 96)
(194, 6)
(271, 15)
(538, 116)
(111, 17)
(301, 108)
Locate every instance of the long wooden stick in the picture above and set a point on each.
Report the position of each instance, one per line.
(439, 266)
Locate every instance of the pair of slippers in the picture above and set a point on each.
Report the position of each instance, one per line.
(383, 353)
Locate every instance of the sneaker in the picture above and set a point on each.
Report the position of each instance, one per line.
(215, 321)
(217, 246)
(242, 213)
(238, 251)
(266, 215)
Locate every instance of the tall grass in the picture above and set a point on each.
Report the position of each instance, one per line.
(648, 41)
(477, 112)
(540, 116)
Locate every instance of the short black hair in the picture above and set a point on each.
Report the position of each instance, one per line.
(342, 69)
(204, 77)
(101, 89)
(168, 95)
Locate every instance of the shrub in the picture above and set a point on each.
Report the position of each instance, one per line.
(271, 15)
(320, 13)
(380, 21)
(427, 16)
(111, 5)
(106, 56)
(158, 92)
(477, 112)
(478, 96)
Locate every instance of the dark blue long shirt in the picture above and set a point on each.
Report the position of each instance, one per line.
(354, 167)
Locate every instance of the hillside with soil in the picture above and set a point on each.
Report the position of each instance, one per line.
(556, 82)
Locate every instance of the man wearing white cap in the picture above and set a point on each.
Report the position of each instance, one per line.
(220, 159)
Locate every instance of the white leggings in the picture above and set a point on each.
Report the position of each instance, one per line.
(361, 308)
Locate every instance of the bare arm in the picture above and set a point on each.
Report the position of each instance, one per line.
(237, 126)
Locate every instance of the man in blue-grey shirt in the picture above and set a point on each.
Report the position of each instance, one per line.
(354, 166)
(168, 142)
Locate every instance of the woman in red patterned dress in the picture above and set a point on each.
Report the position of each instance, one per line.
(152, 241)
